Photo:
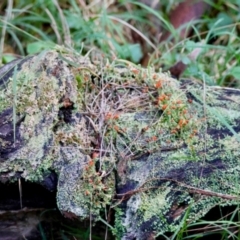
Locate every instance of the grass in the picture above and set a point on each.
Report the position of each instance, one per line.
(122, 30)
(225, 224)
(111, 29)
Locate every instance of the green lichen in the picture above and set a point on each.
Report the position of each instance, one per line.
(170, 144)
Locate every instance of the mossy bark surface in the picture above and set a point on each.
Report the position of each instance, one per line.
(155, 149)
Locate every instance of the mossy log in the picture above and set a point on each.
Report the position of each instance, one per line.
(156, 150)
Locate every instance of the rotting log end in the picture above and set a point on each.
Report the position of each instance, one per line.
(120, 135)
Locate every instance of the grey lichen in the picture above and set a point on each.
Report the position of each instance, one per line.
(120, 135)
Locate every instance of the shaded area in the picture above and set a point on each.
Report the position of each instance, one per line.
(39, 217)
(33, 196)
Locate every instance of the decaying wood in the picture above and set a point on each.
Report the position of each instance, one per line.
(150, 147)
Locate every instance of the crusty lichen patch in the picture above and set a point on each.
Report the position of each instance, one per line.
(170, 144)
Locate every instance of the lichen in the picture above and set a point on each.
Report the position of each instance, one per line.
(172, 146)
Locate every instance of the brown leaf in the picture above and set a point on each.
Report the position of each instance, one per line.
(186, 12)
(178, 68)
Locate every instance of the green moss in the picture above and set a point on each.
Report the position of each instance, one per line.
(165, 139)
(119, 229)
(154, 205)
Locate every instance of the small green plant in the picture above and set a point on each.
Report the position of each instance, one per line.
(118, 229)
(98, 193)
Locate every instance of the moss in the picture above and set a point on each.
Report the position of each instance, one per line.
(154, 205)
(119, 230)
(167, 140)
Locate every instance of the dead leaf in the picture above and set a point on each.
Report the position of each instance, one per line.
(186, 12)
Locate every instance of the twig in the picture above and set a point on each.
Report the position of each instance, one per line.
(189, 188)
